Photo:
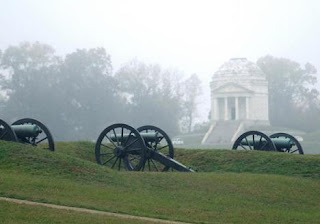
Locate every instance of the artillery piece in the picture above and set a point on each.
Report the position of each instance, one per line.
(148, 148)
(255, 140)
(27, 131)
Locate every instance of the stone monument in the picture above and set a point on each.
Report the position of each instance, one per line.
(239, 99)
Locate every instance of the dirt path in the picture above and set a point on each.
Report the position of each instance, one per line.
(91, 211)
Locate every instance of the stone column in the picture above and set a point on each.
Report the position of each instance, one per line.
(237, 107)
(247, 108)
(216, 109)
(226, 108)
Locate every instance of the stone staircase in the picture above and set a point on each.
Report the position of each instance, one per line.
(222, 132)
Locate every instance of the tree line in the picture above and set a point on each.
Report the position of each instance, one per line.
(294, 102)
(78, 95)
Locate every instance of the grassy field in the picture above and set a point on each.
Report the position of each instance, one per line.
(11, 213)
(230, 186)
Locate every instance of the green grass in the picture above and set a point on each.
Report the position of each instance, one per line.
(12, 213)
(252, 161)
(231, 189)
(222, 160)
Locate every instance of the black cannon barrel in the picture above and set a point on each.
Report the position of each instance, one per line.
(149, 137)
(282, 142)
(26, 130)
(278, 142)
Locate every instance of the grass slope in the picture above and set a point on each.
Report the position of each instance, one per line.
(70, 177)
(252, 161)
(12, 213)
(223, 160)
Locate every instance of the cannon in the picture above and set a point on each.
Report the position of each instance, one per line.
(27, 131)
(280, 142)
(147, 148)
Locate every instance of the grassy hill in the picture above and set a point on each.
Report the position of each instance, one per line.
(230, 186)
(11, 213)
(223, 160)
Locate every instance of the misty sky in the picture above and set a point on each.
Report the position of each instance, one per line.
(192, 36)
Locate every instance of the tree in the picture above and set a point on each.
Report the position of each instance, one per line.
(152, 95)
(30, 69)
(90, 92)
(76, 97)
(290, 90)
(192, 90)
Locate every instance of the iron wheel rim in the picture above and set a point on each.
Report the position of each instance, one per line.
(264, 142)
(297, 146)
(6, 132)
(162, 144)
(45, 137)
(122, 152)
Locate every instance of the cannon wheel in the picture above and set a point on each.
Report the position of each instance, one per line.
(296, 147)
(6, 132)
(45, 137)
(162, 144)
(264, 142)
(120, 142)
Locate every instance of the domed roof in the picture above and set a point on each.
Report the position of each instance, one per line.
(239, 67)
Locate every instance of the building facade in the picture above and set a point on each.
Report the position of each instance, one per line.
(239, 99)
(239, 91)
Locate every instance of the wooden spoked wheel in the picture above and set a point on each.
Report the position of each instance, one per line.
(120, 146)
(156, 140)
(254, 140)
(6, 132)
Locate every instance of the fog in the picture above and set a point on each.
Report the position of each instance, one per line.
(187, 37)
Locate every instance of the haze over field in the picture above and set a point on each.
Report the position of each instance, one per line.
(191, 36)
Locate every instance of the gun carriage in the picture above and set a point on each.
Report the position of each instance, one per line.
(27, 131)
(147, 148)
(255, 140)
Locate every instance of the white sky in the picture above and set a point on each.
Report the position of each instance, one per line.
(193, 36)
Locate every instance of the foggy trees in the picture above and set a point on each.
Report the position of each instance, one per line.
(78, 95)
(75, 96)
(88, 92)
(291, 97)
(192, 90)
(152, 95)
(28, 72)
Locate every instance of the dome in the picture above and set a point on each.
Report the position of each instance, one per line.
(239, 67)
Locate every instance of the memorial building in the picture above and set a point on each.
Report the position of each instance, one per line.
(239, 100)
